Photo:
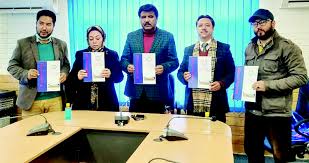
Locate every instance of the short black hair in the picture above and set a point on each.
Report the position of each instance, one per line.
(206, 16)
(148, 8)
(46, 13)
(96, 28)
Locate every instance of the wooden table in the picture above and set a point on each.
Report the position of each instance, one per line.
(208, 141)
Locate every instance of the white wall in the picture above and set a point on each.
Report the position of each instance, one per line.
(291, 23)
(16, 26)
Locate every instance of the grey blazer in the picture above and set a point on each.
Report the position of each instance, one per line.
(25, 57)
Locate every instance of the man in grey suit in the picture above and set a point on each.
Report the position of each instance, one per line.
(23, 66)
(149, 39)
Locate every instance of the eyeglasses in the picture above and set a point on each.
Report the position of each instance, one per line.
(261, 23)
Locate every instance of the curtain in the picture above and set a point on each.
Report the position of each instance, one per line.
(119, 17)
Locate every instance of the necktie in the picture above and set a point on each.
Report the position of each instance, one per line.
(204, 46)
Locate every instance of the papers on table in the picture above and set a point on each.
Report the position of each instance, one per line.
(94, 63)
(245, 77)
(49, 76)
(200, 70)
(144, 64)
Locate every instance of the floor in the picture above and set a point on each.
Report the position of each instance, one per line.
(239, 158)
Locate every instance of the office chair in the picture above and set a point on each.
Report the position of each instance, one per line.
(171, 98)
(300, 126)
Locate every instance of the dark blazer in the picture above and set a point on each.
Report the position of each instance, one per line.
(164, 47)
(224, 72)
(25, 57)
(78, 92)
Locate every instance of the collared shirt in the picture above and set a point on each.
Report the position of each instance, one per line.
(207, 42)
(261, 46)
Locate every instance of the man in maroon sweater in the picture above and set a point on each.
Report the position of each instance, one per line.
(149, 39)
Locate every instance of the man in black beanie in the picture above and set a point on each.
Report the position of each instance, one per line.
(281, 69)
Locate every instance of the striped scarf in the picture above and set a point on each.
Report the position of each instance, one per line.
(202, 97)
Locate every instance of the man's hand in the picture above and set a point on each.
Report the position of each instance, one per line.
(106, 73)
(33, 73)
(130, 68)
(159, 69)
(259, 86)
(215, 86)
(63, 77)
(186, 76)
(81, 74)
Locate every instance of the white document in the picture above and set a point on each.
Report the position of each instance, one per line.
(200, 70)
(149, 65)
(204, 72)
(53, 76)
(144, 64)
(98, 65)
(250, 77)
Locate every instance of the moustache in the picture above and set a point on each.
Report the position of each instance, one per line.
(260, 30)
(147, 23)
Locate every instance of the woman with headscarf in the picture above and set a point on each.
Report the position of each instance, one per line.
(94, 95)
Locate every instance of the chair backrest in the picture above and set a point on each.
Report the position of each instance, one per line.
(171, 85)
(302, 107)
(301, 115)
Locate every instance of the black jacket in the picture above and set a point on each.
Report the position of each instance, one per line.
(224, 72)
(78, 92)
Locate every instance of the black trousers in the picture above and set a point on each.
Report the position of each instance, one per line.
(145, 105)
(276, 129)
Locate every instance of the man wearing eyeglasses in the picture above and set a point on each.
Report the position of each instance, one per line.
(23, 66)
(149, 39)
(281, 69)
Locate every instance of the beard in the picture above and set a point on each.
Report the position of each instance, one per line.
(44, 36)
(267, 34)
